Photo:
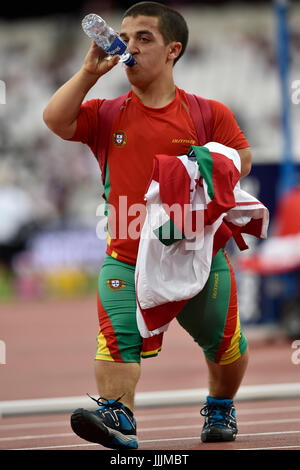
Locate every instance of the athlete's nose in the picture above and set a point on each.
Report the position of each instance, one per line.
(132, 46)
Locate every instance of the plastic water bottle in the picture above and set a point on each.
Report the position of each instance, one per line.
(106, 38)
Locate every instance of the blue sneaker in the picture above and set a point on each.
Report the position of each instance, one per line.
(220, 420)
(112, 425)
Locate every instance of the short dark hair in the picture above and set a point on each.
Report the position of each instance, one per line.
(171, 23)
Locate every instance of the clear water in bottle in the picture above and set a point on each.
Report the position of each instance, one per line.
(105, 37)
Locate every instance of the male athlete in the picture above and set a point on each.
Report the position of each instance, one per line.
(155, 119)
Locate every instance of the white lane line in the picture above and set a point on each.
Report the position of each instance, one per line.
(268, 421)
(153, 417)
(145, 399)
(41, 436)
(271, 448)
(273, 409)
(70, 446)
(171, 439)
(7, 427)
(163, 428)
(155, 429)
(240, 435)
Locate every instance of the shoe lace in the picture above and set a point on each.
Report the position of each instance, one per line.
(106, 403)
(216, 414)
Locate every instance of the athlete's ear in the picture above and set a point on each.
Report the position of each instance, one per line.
(174, 49)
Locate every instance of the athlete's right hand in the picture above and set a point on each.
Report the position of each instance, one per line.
(97, 62)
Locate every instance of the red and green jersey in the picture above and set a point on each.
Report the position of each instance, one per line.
(138, 133)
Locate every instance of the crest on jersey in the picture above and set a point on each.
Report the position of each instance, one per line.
(119, 138)
(114, 284)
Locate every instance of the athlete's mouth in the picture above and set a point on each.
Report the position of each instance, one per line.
(128, 67)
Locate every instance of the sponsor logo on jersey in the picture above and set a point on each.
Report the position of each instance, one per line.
(184, 141)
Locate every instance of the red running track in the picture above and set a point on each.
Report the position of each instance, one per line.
(49, 353)
(262, 426)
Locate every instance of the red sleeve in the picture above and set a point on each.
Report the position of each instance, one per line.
(87, 130)
(226, 130)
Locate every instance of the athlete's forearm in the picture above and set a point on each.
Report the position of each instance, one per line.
(61, 112)
(246, 161)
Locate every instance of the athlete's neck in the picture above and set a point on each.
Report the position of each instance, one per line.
(156, 97)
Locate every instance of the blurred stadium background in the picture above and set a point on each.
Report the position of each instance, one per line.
(50, 190)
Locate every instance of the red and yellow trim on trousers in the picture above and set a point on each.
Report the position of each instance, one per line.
(212, 317)
(107, 345)
(229, 349)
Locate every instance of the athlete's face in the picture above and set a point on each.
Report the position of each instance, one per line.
(145, 42)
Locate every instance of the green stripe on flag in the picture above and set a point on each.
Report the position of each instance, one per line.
(106, 195)
(205, 164)
(168, 233)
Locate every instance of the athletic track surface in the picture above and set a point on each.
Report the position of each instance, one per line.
(49, 354)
